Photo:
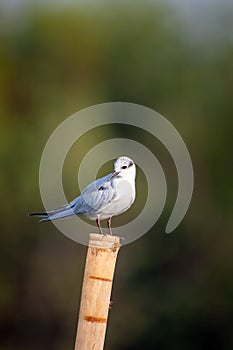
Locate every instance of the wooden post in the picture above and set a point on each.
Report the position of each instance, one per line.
(96, 291)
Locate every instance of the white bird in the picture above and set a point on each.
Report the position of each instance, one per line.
(106, 197)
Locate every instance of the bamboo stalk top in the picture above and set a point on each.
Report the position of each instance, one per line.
(104, 241)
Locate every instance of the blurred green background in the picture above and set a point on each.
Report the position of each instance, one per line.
(171, 291)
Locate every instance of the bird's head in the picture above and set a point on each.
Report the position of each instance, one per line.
(124, 167)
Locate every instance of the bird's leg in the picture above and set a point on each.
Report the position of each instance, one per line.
(109, 226)
(99, 227)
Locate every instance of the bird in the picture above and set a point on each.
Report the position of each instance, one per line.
(104, 198)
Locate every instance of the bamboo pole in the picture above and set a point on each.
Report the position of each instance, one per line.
(96, 291)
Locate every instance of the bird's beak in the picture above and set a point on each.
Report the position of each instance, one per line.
(115, 173)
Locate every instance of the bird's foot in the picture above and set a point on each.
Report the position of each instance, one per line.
(102, 233)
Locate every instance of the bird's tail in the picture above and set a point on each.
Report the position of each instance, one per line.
(59, 213)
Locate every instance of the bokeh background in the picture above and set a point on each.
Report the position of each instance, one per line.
(171, 291)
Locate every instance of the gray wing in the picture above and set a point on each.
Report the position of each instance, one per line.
(94, 197)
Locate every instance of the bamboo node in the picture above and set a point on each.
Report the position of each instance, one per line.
(101, 278)
(95, 319)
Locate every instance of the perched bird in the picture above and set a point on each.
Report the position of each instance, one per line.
(106, 197)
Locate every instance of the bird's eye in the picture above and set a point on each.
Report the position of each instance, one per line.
(124, 167)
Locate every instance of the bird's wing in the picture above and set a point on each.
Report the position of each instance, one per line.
(95, 196)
